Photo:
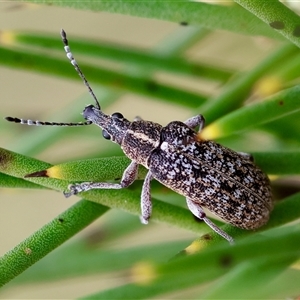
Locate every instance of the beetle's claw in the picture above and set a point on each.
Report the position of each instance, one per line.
(72, 191)
(143, 220)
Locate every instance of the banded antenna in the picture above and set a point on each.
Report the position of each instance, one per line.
(46, 123)
(77, 68)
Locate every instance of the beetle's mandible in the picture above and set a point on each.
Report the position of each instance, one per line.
(207, 174)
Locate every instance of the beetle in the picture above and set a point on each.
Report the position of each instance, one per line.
(207, 174)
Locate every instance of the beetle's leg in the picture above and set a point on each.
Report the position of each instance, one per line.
(146, 204)
(195, 121)
(246, 155)
(137, 118)
(197, 210)
(128, 178)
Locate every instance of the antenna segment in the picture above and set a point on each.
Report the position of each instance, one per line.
(76, 66)
(42, 123)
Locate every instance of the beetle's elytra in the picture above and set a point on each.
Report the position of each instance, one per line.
(207, 174)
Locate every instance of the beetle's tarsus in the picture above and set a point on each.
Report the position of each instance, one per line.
(143, 220)
(68, 194)
(72, 191)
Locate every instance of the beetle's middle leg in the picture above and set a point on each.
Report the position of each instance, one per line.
(146, 204)
(195, 121)
(129, 176)
(197, 210)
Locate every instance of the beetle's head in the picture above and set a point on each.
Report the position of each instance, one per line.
(113, 127)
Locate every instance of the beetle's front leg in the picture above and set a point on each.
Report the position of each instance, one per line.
(146, 204)
(129, 176)
(195, 121)
(197, 210)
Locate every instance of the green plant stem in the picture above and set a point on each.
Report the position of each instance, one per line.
(276, 15)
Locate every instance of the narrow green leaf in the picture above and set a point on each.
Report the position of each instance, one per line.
(96, 260)
(48, 238)
(96, 169)
(17, 165)
(277, 16)
(285, 211)
(150, 60)
(287, 71)
(208, 265)
(180, 40)
(285, 130)
(278, 163)
(117, 80)
(7, 181)
(284, 286)
(255, 273)
(234, 93)
(224, 17)
(275, 107)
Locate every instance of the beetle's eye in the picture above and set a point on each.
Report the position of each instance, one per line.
(105, 134)
(117, 115)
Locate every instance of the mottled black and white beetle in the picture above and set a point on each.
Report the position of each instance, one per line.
(207, 174)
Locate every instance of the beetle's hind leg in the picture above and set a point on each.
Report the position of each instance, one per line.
(129, 176)
(197, 210)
